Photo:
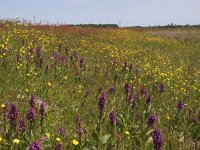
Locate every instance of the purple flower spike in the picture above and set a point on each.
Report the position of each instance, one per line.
(17, 58)
(125, 66)
(63, 59)
(32, 101)
(56, 57)
(180, 105)
(22, 127)
(133, 104)
(112, 117)
(81, 62)
(42, 110)
(143, 90)
(31, 51)
(157, 139)
(102, 102)
(13, 114)
(116, 77)
(79, 130)
(31, 114)
(34, 146)
(86, 94)
(148, 99)
(66, 50)
(151, 120)
(58, 146)
(74, 56)
(100, 90)
(38, 52)
(61, 130)
(162, 88)
(130, 97)
(111, 90)
(127, 88)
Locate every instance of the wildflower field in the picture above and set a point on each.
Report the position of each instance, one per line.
(77, 88)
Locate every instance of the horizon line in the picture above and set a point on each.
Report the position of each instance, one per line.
(47, 22)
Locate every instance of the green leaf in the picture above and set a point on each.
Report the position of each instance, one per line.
(94, 135)
(94, 148)
(105, 138)
(149, 132)
(149, 141)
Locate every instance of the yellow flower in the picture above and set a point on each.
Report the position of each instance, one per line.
(3, 105)
(47, 135)
(127, 133)
(49, 83)
(75, 142)
(16, 141)
(58, 139)
(1, 139)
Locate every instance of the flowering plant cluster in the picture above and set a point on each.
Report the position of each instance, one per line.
(64, 87)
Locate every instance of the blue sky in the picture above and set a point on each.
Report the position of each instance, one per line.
(129, 12)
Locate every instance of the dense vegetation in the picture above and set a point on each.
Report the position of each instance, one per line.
(93, 88)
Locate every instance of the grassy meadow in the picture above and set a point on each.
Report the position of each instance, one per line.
(99, 88)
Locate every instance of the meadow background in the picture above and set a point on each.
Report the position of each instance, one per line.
(65, 87)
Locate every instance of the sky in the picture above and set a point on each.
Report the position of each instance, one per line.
(127, 12)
